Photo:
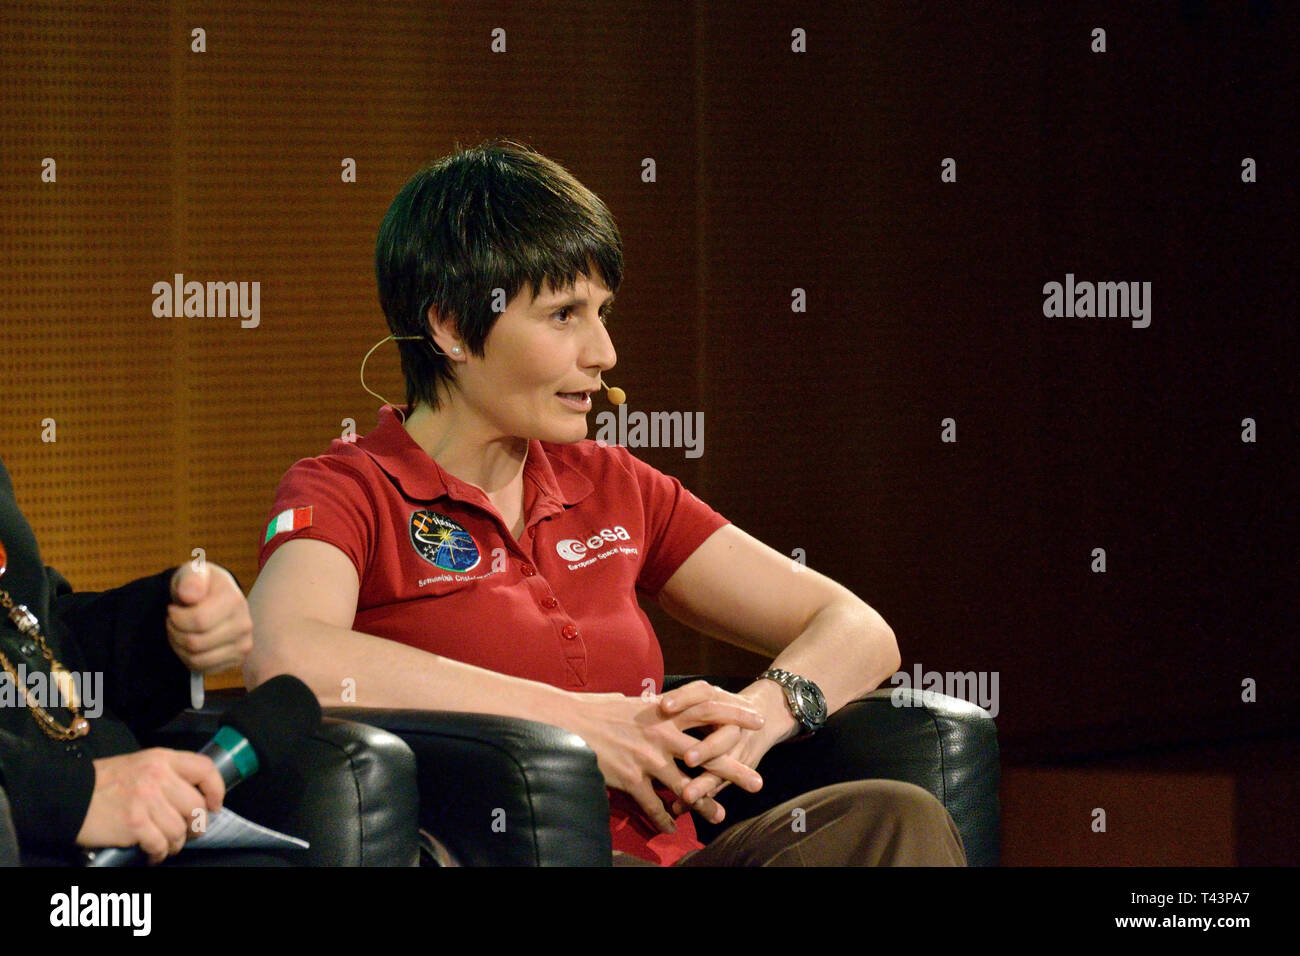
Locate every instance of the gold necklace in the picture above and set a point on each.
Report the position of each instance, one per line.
(29, 626)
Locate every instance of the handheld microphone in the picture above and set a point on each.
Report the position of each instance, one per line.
(257, 733)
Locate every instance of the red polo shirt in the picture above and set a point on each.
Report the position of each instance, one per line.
(440, 571)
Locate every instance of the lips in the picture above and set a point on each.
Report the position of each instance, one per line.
(577, 400)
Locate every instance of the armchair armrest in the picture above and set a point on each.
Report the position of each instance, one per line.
(349, 790)
(940, 743)
(500, 791)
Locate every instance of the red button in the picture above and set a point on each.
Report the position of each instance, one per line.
(569, 631)
(549, 602)
(528, 570)
(532, 532)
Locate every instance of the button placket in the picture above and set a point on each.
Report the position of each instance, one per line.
(573, 647)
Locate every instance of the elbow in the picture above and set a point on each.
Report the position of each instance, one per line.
(884, 642)
(889, 647)
(263, 662)
(255, 669)
(269, 659)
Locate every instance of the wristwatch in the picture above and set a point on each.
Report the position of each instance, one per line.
(806, 700)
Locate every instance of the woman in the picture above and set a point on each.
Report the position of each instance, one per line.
(475, 553)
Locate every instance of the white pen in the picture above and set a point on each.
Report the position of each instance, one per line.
(196, 690)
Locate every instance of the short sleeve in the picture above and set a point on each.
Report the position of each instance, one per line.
(324, 500)
(676, 523)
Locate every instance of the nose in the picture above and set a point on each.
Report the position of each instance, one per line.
(599, 349)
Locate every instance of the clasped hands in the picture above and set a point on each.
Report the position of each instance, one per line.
(638, 741)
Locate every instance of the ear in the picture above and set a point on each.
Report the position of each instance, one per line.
(443, 329)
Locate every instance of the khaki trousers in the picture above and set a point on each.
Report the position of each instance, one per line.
(859, 823)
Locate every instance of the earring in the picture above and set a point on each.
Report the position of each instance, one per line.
(455, 350)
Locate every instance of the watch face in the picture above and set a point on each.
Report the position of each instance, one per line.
(811, 701)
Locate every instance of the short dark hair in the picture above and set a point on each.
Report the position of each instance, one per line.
(493, 216)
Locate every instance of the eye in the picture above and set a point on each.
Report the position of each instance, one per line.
(564, 314)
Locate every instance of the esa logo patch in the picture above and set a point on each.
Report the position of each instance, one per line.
(571, 549)
(442, 542)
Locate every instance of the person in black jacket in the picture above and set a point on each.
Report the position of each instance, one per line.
(71, 766)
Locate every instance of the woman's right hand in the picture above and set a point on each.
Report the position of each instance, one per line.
(636, 744)
(151, 798)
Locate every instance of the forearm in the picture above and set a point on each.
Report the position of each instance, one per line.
(847, 650)
(348, 668)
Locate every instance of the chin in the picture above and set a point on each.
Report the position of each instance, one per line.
(574, 435)
(575, 431)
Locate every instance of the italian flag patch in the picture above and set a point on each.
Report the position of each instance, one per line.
(289, 520)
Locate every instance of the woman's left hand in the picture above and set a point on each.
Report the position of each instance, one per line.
(700, 699)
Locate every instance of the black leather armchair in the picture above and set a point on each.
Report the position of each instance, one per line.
(499, 791)
(349, 790)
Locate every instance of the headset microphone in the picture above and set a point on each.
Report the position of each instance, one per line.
(616, 395)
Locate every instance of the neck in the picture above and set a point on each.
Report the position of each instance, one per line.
(464, 447)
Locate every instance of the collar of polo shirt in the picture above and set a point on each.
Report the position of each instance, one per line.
(407, 464)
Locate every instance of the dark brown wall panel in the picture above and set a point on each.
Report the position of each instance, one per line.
(775, 171)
